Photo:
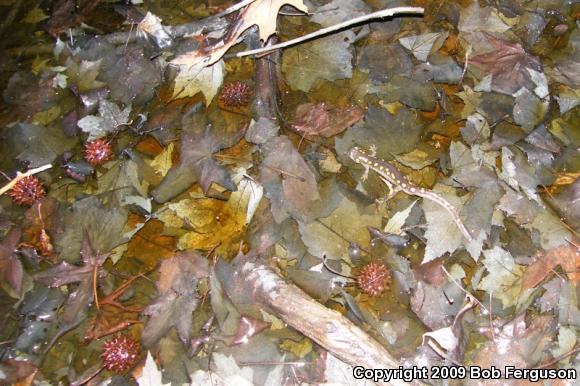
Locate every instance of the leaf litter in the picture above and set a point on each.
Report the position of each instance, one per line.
(476, 103)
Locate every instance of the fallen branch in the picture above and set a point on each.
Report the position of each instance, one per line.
(326, 327)
(20, 176)
(328, 30)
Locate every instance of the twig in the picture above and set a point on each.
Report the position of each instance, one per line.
(20, 176)
(324, 31)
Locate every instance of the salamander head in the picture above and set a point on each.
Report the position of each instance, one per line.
(357, 154)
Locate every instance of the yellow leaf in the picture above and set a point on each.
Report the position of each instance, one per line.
(34, 16)
(163, 161)
(300, 349)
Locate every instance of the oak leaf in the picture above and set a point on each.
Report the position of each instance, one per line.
(262, 13)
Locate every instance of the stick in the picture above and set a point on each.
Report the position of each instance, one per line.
(20, 176)
(326, 327)
(375, 15)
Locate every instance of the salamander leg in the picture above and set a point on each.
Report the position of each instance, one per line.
(392, 189)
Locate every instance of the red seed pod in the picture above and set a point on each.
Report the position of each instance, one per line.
(235, 94)
(120, 353)
(374, 279)
(27, 191)
(98, 152)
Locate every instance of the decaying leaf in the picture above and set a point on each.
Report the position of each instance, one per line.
(509, 66)
(110, 118)
(320, 119)
(290, 184)
(329, 58)
(199, 78)
(65, 273)
(567, 256)
(10, 266)
(422, 45)
(178, 297)
(503, 279)
(263, 13)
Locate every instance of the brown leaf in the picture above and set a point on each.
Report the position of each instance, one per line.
(508, 63)
(10, 266)
(567, 256)
(313, 120)
(284, 165)
(66, 273)
(263, 13)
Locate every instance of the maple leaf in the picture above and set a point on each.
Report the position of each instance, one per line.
(262, 13)
(178, 297)
(10, 266)
(85, 275)
(508, 65)
(197, 151)
(290, 184)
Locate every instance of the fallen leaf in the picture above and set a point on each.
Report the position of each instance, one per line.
(422, 45)
(109, 119)
(504, 276)
(567, 256)
(199, 78)
(508, 66)
(290, 184)
(262, 13)
(320, 119)
(65, 273)
(150, 374)
(11, 269)
(329, 58)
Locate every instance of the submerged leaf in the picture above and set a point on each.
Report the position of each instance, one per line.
(178, 298)
(290, 184)
(313, 120)
(199, 78)
(329, 58)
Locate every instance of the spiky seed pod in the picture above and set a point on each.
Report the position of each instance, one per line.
(235, 94)
(27, 191)
(374, 279)
(98, 152)
(120, 353)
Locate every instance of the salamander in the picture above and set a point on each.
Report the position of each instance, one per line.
(397, 182)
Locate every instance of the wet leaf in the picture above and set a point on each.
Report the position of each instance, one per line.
(329, 58)
(103, 225)
(337, 11)
(10, 266)
(332, 235)
(227, 372)
(509, 65)
(290, 184)
(422, 45)
(566, 256)
(110, 118)
(503, 279)
(202, 216)
(442, 233)
(178, 297)
(199, 78)
(79, 299)
(150, 375)
(313, 120)
(37, 144)
(197, 162)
